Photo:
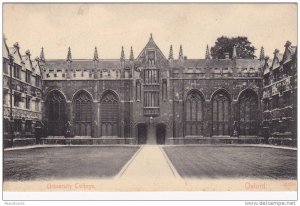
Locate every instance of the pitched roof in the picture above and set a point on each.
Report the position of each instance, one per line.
(28, 64)
(5, 51)
(14, 51)
(267, 66)
(200, 63)
(248, 63)
(219, 63)
(84, 64)
(277, 60)
(151, 45)
(288, 54)
(36, 67)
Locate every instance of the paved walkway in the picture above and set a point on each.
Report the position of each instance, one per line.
(149, 170)
(149, 162)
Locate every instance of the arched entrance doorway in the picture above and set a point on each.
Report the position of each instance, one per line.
(160, 133)
(142, 133)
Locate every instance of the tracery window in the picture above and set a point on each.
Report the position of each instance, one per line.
(194, 106)
(248, 106)
(55, 112)
(109, 115)
(83, 114)
(221, 114)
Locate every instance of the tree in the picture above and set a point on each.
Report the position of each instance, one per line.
(244, 47)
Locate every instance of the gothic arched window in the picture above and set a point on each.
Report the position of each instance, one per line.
(220, 114)
(194, 105)
(248, 109)
(82, 107)
(109, 115)
(55, 113)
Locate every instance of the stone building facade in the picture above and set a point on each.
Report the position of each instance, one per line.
(280, 96)
(22, 95)
(157, 99)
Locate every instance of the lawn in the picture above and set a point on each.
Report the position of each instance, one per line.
(65, 162)
(233, 162)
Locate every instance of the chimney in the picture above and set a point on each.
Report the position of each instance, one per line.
(226, 54)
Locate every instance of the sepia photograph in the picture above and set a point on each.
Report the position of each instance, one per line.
(149, 97)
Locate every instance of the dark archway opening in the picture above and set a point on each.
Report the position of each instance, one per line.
(160, 133)
(142, 133)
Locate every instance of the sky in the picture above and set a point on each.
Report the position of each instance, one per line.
(111, 26)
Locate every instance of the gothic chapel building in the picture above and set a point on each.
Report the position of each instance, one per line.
(156, 99)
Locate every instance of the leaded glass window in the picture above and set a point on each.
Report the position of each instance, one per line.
(83, 114)
(220, 114)
(194, 114)
(109, 114)
(248, 109)
(55, 112)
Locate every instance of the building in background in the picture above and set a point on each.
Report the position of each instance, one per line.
(158, 99)
(280, 96)
(153, 98)
(24, 87)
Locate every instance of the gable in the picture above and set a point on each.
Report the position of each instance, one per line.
(5, 52)
(151, 52)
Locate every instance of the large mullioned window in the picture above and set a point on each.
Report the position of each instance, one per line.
(55, 112)
(109, 115)
(221, 114)
(194, 105)
(248, 106)
(83, 114)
